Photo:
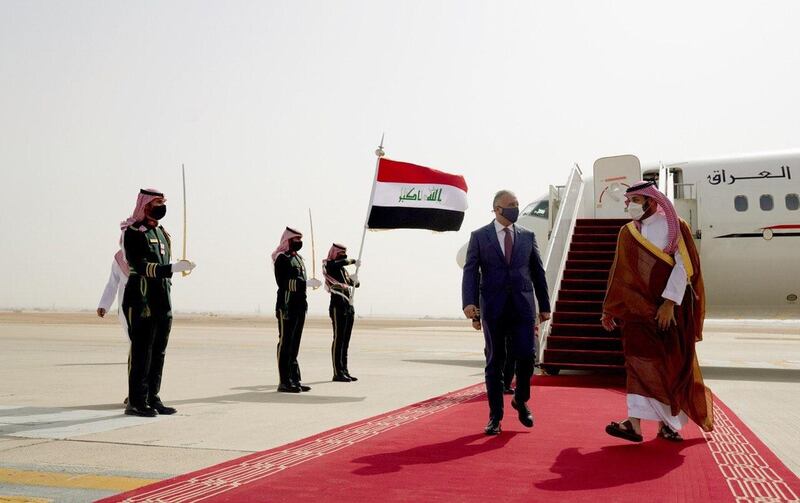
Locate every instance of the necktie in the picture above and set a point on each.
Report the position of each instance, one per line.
(508, 245)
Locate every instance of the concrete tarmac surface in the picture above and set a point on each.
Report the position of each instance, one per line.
(63, 436)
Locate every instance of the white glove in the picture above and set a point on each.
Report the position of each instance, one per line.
(314, 283)
(183, 265)
(357, 262)
(354, 278)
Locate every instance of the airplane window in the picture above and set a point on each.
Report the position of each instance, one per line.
(528, 210)
(542, 209)
(766, 202)
(740, 203)
(792, 202)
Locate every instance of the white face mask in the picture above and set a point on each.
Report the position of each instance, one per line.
(636, 211)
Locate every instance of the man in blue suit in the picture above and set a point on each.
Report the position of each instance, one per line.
(502, 272)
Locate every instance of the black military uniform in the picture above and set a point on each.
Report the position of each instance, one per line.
(290, 309)
(342, 315)
(148, 309)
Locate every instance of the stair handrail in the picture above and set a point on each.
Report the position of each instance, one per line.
(558, 245)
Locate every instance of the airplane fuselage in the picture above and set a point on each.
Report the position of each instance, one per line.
(745, 212)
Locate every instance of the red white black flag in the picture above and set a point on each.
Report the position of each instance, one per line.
(407, 196)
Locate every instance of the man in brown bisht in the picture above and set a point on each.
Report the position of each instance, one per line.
(655, 294)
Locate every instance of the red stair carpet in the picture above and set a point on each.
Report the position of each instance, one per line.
(436, 451)
(577, 340)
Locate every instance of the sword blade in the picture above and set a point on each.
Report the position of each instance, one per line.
(183, 180)
(313, 248)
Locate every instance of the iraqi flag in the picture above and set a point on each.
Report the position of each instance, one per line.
(407, 196)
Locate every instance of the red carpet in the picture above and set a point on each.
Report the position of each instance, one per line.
(436, 451)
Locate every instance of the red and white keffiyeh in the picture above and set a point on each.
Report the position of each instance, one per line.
(283, 247)
(119, 257)
(330, 281)
(145, 197)
(648, 189)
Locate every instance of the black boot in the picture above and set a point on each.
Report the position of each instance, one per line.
(159, 406)
(140, 410)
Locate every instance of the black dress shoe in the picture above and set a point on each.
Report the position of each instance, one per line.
(524, 413)
(493, 427)
(347, 375)
(303, 387)
(288, 388)
(508, 390)
(162, 409)
(141, 411)
(340, 378)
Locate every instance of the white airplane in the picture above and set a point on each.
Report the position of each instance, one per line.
(744, 211)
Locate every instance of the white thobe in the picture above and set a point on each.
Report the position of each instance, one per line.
(655, 230)
(115, 286)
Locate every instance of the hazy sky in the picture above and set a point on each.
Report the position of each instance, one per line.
(277, 107)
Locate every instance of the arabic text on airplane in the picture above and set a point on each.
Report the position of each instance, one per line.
(721, 177)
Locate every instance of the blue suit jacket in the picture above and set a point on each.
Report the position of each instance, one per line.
(489, 282)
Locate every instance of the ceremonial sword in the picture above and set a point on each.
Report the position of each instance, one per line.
(183, 177)
(313, 250)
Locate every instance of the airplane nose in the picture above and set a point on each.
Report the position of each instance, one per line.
(461, 256)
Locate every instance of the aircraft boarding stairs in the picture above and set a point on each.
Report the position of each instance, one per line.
(576, 340)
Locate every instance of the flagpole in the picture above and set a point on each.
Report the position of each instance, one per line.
(378, 153)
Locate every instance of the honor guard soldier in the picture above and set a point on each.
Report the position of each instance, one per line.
(339, 283)
(146, 301)
(290, 308)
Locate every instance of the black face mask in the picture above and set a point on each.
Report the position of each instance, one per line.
(295, 245)
(158, 212)
(511, 214)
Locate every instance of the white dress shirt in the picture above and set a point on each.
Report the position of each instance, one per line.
(655, 230)
(501, 235)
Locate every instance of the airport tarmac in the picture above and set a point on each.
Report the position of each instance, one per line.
(63, 436)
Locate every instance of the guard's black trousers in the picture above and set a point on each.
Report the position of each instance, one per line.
(149, 337)
(342, 317)
(290, 330)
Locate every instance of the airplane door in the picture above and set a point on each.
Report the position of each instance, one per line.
(612, 176)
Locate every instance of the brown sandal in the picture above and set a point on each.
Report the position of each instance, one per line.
(668, 433)
(623, 430)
